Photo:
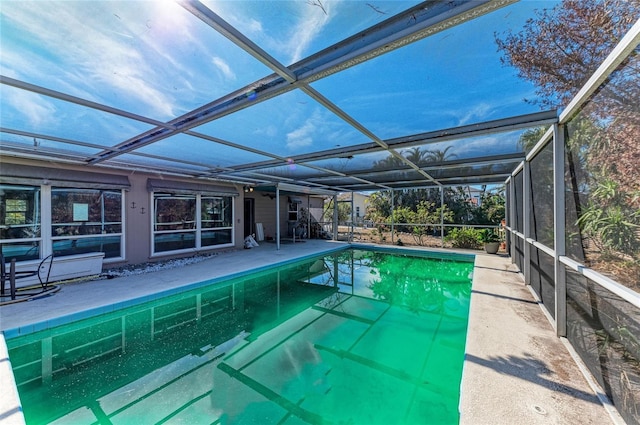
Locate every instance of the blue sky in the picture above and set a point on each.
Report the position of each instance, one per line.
(157, 60)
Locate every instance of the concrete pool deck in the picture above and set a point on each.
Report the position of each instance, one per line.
(516, 370)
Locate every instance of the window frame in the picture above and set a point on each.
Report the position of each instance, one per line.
(37, 240)
(79, 237)
(198, 230)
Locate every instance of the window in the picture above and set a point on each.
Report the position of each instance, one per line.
(20, 222)
(217, 221)
(86, 220)
(175, 223)
(191, 222)
(16, 211)
(293, 211)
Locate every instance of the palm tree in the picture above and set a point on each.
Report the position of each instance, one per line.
(438, 155)
(416, 155)
(390, 162)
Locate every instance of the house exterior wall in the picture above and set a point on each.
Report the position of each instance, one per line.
(135, 192)
(137, 209)
(138, 225)
(265, 212)
(360, 204)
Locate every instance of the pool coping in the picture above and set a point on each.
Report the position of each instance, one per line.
(516, 369)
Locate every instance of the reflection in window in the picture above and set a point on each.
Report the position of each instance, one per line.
(216, 212)
(174, 223)
(20, 222)
(217, 219)
(177, 227)
(16, 211)
(86, 220)
(175, 212)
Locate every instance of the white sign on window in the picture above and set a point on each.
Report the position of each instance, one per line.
(80, 212)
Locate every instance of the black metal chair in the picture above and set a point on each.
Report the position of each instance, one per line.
(43, 272)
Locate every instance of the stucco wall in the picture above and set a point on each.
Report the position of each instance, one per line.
(138, 209)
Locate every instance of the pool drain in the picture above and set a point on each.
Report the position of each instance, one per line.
(539, 410)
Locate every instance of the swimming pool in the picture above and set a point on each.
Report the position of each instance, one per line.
(351, 337)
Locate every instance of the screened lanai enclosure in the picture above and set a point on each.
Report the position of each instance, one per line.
(145, 128)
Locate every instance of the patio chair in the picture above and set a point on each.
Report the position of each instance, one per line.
(43, 272)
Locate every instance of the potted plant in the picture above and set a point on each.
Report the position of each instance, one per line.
(491, 241)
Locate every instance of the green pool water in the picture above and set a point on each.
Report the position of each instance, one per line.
(355, 337)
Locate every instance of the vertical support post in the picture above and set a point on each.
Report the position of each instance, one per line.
(46, 246)
(308, 217)
(352, 228)
(393, 202)
(237, 297)
(442, 216)
(152, 324)
(559, 230)
(198, 221)
(123, 334)
(278, 295)
(526, 219)
(277, 218)
(353, 271)
(47, 360)
(512, 218)
(12, 279)
(335, 217)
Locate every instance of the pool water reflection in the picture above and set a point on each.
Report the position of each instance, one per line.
(359, 337)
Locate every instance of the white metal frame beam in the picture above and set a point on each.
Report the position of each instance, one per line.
(404, 28)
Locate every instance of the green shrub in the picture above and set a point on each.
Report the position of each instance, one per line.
(488, 236)
(468, 238)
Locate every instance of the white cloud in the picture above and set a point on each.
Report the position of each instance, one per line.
(221, 65)
(318, 126)
(499, 143)
(477, 114)
(269, 131)
(254, 26)
(78, 38)
(304, 134)
(311, 23)
(38, 111)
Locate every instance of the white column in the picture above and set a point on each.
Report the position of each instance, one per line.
(392, 209)
(277, 218)
(512, 218)
(559, 230)
(526, 200)
(442, 216)
(335, 217)
(352, 227)
(46, 244)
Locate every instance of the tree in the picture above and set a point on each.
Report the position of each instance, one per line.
(530, 137)
(416, 155)
(560, 48)
(558, 51)
(439, 155)
(491, 209)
